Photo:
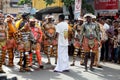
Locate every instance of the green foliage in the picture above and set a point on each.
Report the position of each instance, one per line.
(88, 7)
(68, 3)
(21, 2)
(49, 2)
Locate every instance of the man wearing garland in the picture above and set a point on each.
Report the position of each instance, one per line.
(90, 39)
(3, 39)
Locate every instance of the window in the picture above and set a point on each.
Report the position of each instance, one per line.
(14, 4)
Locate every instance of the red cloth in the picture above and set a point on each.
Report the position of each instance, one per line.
(77, 44)
(36, 32)
(86, 46)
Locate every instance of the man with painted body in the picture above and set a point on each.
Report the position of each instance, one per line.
(90, 39)
(3, 39)
(50, 43)
(24, 39)
(77, 47)
(11, 43)
(36, 44)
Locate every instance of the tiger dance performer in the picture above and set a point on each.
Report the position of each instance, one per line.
(90, 40)
(50, 42)
(77, 47)
(36, 47)
(19, 24)
(3, 39)
(24, 39)
(49, 39)
(11, 44)
(102, 37)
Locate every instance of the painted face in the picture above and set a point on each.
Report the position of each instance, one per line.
(32, 23)
(88, 19)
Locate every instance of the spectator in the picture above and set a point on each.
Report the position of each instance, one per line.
(63, 59)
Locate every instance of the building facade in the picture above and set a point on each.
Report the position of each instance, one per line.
(40, 4)
(11, 7)
(0, 4)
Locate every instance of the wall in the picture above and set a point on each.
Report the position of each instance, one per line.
(40, 4)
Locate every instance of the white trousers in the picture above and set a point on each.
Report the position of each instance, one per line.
(63, 59)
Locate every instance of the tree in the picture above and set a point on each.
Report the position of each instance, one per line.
(87, 6)
(21, 2)
(69, 3)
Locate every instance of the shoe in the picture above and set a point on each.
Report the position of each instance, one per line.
(27, 69)
(21, 70)
(57, 71)
(82, 64)
(41, 66)
(99, 66)
(55, 62)
(1, 71)
(48, 63)
(72, 64)
(92, 69)
(86, 70)
(66, 71)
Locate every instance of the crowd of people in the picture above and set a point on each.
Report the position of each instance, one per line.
(88, 36)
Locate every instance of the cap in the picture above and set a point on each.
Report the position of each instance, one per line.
(93, 16)
(88, 15)
(81, 19)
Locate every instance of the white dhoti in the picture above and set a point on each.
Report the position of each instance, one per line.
(63, 59)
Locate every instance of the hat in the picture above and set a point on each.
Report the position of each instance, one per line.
(81, 19)
(88, 15)
(8, 15)
(93, 16)
(49, 16)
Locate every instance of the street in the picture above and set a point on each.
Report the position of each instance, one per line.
(109, 71)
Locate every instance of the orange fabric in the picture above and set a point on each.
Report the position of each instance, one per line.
(11, 43)
(17, 24)
(86, 46)
(11, 28)
(51, 31)
(38, 54)
(36, 31)
(76, 44)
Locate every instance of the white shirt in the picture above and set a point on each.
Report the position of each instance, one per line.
(106, 26)
(118, 39)
(62, 29)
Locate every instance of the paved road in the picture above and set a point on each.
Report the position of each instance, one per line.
(108, 72)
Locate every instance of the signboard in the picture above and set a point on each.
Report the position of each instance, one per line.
(77, 6)
(106, 4)
(77, 11)
(106, 7)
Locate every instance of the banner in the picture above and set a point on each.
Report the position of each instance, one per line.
(106, 7)
(77, 11)
(78, 6)
(106, 4)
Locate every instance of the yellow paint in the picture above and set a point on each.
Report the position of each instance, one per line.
(40, 4)
(17, 24)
